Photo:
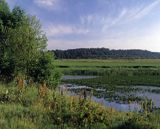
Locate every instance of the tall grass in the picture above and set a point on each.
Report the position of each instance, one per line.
(27, 109)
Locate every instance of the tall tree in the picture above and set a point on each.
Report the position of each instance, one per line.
(6, 64)
(26, 43)
(23, 47)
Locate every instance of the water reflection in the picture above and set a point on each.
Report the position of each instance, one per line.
(119, 106)
(117, 97)
(75, 90)
(77, 77)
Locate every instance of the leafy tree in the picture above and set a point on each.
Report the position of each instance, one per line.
(27, 41)
(6, 64)
(23, 47)
(4, 6)
(43, 70)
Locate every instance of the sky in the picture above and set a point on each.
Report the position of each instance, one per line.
(114, 24)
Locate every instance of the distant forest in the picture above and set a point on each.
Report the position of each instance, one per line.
(103, 53)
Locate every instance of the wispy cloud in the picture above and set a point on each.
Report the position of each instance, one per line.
(125, 15)
(140, 12)
(130, 14)
(46, 3)
(102, 22)
(115, 20)
(91, 19)
(56, 30)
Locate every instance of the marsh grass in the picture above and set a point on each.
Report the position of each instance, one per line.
(113, 71)
(25, 109)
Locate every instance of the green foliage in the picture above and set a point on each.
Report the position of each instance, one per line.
(23, 48)
(43, 70)
(18, 16)
(27, 42)
(136, 123)
(27, 110)
(4, 6)
(8, 24)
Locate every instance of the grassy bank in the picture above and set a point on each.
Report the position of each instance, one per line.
(31, 108)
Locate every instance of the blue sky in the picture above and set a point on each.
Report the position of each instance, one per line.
(114, 24)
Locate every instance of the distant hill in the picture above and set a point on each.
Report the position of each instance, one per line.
(103, 53)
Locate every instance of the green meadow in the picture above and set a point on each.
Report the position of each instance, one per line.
(108, 62)
(113, 71)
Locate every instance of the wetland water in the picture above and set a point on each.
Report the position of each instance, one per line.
(71, 77)
(121, 95)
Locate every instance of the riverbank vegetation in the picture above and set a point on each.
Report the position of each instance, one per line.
(32, 108)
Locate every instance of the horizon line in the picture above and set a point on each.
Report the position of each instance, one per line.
(103, 48)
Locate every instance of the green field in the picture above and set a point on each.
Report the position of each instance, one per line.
(113, 72)
(108, 62)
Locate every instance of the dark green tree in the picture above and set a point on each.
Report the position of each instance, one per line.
(6, 62)
(23, 48)
(43, 70)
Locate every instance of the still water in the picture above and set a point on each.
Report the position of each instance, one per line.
(144, 92)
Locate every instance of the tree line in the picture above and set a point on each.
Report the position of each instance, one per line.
(23, 52)
(103, 53)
